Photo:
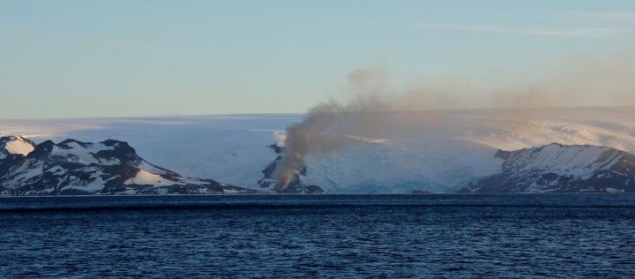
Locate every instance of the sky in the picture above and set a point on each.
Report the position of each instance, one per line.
(113, 58)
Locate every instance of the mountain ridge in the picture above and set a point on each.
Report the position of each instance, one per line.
(73, 167)
(558, 168)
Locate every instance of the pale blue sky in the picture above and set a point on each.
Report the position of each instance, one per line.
(139, 58)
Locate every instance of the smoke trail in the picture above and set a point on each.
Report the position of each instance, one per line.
(315, 134)
(580, 82)
(297, 145)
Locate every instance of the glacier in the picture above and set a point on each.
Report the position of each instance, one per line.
(439, 151)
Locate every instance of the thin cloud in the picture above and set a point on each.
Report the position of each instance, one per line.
(551, 32)
(604, 16)
(584, 32)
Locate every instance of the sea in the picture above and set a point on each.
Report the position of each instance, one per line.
(318, 236)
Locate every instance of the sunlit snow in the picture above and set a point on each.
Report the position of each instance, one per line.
(19, 146)
(437, 150)
(147, 178)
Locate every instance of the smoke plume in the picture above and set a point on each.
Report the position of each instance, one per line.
(316, 133)
(579, 82)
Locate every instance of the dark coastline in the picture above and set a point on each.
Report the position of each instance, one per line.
(276, 201)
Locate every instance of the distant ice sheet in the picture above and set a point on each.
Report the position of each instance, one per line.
(441, 152)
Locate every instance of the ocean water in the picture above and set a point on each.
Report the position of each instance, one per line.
(326, 236)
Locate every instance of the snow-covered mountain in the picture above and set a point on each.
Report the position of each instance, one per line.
(557, 168)
(438, 151)
(73, 167)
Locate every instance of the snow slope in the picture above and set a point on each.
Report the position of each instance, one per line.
(557, 168)
(440, 151)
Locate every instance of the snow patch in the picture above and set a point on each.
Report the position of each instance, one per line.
(231, 191)
(19, 146)
(83, 154)
(613, 190)
(147, 178)
(367, 139)
(97, 184)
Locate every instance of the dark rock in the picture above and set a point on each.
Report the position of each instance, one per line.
(296, 186)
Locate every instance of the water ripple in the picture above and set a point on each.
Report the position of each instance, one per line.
(352, 242)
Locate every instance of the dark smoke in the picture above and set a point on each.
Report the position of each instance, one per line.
(316, 133)
(579, 82)
(299, 136)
